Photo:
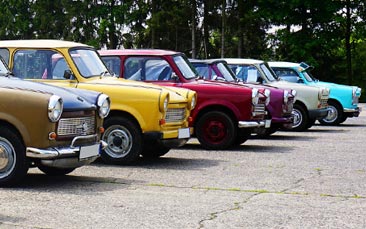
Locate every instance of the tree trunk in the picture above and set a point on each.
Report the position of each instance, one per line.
(223, 23)
(348, 43)
(193, 21)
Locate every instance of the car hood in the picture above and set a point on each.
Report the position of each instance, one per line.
(175, 96)
(73, 99)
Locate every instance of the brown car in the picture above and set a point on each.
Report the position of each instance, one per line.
(52, 128)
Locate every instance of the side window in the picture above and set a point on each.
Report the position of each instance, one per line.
(33, 64)
(59, 68)
(157, 70)
(132, 68)
(287, 74)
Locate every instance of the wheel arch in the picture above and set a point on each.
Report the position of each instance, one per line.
(118, 113)
(215, 108)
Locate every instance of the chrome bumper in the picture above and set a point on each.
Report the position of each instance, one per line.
(61, 152)
(347, 110)
(251, 124)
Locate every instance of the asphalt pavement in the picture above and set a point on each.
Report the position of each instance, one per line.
(312, 179)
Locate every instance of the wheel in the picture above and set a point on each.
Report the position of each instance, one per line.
(310, 123)
(300, 118)
(51, 171)
(154, 151)
(13, 162)
(243, 136)
(335, 114)
(344, 118)
(124, 140)
(216, 130)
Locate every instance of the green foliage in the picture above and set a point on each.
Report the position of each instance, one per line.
(308, 30)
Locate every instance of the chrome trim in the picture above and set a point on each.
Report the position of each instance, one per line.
(250, 124)
(347, 110)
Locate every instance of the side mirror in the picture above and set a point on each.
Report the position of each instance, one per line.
(174, 77)
(300, 80)
(68, 74)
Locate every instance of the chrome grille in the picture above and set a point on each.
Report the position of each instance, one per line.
(175, 115)
(259, 109)
(76, 126)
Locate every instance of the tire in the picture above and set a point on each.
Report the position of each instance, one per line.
(124, 139)
(301, 118)
(335, 115)
(51, 171)
(152, 151)
(310, 123)
(344, 118)
(13, 162)
(215, 130)
(243, 136)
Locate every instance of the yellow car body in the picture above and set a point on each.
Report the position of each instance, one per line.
(157, 118)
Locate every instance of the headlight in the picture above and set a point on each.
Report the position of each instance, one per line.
(255, 96)
(356, 91)
(164, 101)
(285, 96)
(193, 98)
(55, 107)
(104, 105)
(267, 93)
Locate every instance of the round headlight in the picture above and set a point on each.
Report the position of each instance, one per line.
(55, 107)
(285, 96)
(193, 102)
(104, 105)
(164, 101)
(267, 93)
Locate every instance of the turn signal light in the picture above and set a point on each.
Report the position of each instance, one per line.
(52, 136)
(162, 121)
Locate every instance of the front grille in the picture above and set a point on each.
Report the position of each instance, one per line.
(324, 103)
(259, 109)
(76, 126)
(175, 115)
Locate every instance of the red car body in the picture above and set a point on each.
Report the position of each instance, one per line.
(225, 114)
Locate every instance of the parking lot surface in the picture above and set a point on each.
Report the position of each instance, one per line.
(312, 179)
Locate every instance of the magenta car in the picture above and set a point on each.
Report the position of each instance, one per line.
(225, 114)
(281, 102)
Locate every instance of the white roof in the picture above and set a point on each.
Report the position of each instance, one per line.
(242, 61)
(283, 64)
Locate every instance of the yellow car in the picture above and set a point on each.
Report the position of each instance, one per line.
(144, 119)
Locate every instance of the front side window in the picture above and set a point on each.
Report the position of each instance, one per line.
(226, 72)
(203, 70)
(268, 73)
(247, 73)
(113, 63)
(147, 68)
(287, 74)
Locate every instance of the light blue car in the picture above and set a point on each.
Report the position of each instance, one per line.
(343, 99)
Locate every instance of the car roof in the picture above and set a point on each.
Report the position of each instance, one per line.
(40, 43)
(207, 61)
(148, 52)
(282, 64)
(242, 61)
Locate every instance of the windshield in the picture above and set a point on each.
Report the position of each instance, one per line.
(269, 74)
(308, 76)
(88, 63)
(185, 67)
(226, 72)
(3, 69)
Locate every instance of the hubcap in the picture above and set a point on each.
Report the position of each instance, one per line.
(7, 158)
(297, 118)
(332, 114)
(119, 141)
(215, 130)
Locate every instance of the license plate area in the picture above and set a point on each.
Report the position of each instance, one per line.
(89, 151)
(184, 133)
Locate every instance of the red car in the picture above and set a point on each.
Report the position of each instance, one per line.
(225, 114)
(282, 100)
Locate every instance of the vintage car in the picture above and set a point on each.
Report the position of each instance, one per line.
(225, 114)
(52, 128)
(279, 109)
(343, 99)
(311, 102)
(145, 119)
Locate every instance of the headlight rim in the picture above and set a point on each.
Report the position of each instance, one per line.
(102, 99)
(54, 102)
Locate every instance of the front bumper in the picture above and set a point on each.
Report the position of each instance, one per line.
(352, 112)
(318, 113)
(253, 124)
(169, 139)
(72, 156)
(283, 122)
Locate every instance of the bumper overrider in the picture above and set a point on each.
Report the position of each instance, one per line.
(318, 113)
(253, 124)
(72, 156)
